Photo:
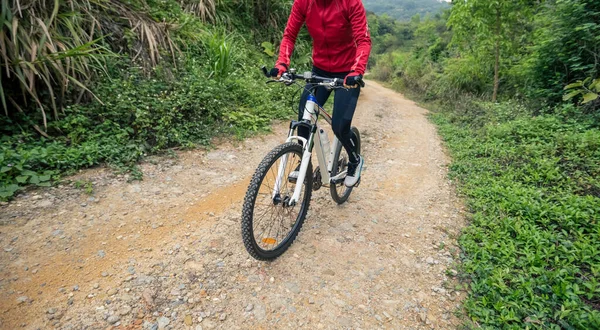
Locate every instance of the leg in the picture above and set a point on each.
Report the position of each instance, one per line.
(344, 105)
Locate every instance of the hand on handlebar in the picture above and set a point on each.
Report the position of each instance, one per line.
(278, 70)
(353, 80)
(290, 77)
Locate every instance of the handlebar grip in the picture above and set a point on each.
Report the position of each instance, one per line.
(361, 82)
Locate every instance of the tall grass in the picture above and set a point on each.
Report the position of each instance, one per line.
(49, 46)
(46, 47)
(219, 46)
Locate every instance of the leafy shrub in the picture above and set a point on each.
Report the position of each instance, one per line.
(141, 115)
(464, 75)
(565, 49)
(530, 253)
(206, 86)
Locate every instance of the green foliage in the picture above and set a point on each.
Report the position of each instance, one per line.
(588, 89)
(50, 48)
(486, 29)
(203, 86)
(404, 10)
(542, 47)
(565, 49)
(265, 19)
(141, 116)
(530, 253)
(206, 10)
(46, 46)
(465, 75)
(528, 166)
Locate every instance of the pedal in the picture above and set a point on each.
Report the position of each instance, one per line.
(357, 183)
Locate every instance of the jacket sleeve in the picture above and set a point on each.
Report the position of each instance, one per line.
(362, 37)
(295, 22)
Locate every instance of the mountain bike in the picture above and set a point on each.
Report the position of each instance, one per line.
(277, 199)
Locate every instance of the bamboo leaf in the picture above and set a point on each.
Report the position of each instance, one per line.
(3, 49)
(15, 26)
(78, 83)
(2, 97)
(54, 11)
(45, 30)
(589, 97)
(571, 95)
(574, 85)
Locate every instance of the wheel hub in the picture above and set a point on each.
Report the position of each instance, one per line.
(277, 199)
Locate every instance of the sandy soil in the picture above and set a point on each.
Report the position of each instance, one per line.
(166, 252)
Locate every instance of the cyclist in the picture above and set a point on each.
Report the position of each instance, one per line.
(341, 48)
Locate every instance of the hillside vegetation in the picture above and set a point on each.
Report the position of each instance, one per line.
(515, 87)
(404, 10)
(109, 81)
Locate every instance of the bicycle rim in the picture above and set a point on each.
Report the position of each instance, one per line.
(339, 192)
(269, 225)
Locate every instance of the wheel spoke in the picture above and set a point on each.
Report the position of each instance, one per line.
(274, 223)
(268, 223)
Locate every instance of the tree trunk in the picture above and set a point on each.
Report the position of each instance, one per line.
(497, 64)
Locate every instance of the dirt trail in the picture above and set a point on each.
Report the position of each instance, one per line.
(167, 252)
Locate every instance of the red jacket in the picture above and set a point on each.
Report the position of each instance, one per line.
(341, 40)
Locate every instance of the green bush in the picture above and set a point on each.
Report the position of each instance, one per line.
(528, 166)
(531, 252)
(141, 115)
(174, 79)
(464, 75)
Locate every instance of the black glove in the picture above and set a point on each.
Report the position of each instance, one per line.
(353, 79)
(278, 70)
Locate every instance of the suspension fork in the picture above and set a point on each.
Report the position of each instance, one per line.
(303, 168)
(282, 166)
(310, 117)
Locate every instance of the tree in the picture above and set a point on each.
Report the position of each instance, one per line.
(566, 48)
(488, 27)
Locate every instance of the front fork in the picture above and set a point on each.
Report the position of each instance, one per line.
(306, 155)
(309, 119)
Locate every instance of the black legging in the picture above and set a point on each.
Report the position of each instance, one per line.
(344, 104)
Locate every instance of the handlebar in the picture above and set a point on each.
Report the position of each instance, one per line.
(289, 78)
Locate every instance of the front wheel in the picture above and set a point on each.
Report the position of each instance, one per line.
(339, 191)
(269, 223)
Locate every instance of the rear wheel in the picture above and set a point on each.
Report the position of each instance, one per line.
(339, 191)
(269, 223)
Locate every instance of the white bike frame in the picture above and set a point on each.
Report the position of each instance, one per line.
(311, 112)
